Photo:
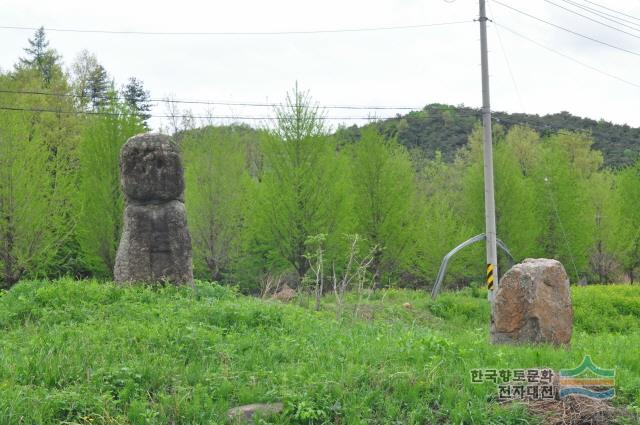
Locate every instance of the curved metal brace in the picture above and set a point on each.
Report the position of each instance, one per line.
(445, 260)
(503, 246)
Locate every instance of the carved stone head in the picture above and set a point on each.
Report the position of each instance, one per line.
(151, 169)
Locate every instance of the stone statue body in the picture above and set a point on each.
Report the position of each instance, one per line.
(155, 244)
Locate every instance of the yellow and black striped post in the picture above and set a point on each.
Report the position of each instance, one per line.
(490, 276)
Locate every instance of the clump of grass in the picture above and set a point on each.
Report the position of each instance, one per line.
(607, 308)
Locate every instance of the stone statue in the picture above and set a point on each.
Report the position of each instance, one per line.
(155, 244)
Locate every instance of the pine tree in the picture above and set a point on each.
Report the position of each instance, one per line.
(137, 98)
(90, 82)
(40, 56)
(98, 87)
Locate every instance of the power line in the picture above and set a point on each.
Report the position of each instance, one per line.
(232, 117)
(568, 57)
(612, 10)
(613, 18)
(104, 113)
(591, 19)
(233, 33)
(220, 103)
(506, 59)
(595, 40)
(207, 102)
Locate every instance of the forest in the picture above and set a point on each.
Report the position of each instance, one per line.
(295, 201)
(446, 128)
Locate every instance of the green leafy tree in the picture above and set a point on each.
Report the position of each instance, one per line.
(58, 129)
(517, 221)
(562, 179)
(516, 200)
(27, 215)
(100, 199)
(302, 189)
(217, 182)
(384, 196)
(441, 225)
(602, 257)
(627, 201)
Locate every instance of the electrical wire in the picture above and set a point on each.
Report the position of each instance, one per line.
(245, 117)
(506, 59)
(612, 10)
(595, 40)
(557, 52)
(43, 110)
(232, 33)
(591, 19)
(613, 18)
(213, 103)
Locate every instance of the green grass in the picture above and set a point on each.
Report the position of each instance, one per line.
(85, 352)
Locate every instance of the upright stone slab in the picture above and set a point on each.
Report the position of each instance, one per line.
(155, 244)
(533, 304)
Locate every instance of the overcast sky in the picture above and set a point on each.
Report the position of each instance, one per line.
(409, 67)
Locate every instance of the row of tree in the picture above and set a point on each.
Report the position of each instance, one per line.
(268, 204)
(257, 201)
(60, 132)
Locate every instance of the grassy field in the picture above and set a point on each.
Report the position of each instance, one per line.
(92, 353)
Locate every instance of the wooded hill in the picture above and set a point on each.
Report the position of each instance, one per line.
(446, 128)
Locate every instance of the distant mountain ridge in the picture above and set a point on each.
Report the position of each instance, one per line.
(446, 128)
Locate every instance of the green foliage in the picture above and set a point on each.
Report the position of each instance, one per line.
(90, 82)
(40, 57)
(546, 200)
(411, 186)
(516, 199)
(440, 222)
(217, 185)
(99, 199)
(446, 129)
(302, 190)
(627, 213)
(137, 98)
(27, 240)
(383, 198)
(84, 352)
(563, 187)
(604, 262)
(37, 167)
(607, 309)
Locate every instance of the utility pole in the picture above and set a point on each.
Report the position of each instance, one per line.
(489, 201)
(490, 235)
